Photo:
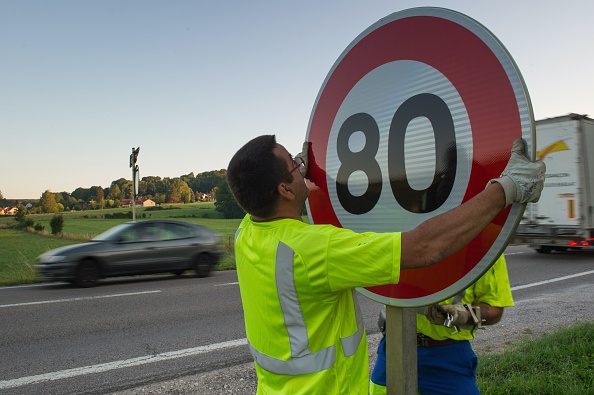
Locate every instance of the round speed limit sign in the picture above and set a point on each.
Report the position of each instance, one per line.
(413, 119)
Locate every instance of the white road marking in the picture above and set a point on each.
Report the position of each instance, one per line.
(551, 280)
(126, 363)
(68, 373)
(77, 299)
(9, 287)
(220, 285)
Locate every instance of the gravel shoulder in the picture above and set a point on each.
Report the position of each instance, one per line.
(528, 319)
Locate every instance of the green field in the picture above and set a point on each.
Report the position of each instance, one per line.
(561, 362)
(19, 248)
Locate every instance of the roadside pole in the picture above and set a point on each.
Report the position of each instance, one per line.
(134, 166)
(133, 203)
(401, 346)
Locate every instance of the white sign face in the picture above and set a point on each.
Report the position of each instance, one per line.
(419, 147)
(413, 119)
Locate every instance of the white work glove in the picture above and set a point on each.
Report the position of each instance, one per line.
(522, 180)
(303, 156)
(436, 314)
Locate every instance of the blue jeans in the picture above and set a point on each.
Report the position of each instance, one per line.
(449, 369)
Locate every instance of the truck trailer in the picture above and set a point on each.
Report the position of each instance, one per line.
(563, 218)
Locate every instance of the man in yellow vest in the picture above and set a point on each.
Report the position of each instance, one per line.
(302, 320)
(446, 363)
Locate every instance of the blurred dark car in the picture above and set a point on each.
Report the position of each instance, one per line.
(144, 247)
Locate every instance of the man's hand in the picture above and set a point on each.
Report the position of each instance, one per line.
(381, 320)
(303, 155)
(522, 180)
(436, 314)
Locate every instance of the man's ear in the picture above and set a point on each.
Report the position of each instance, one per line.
(286, 191)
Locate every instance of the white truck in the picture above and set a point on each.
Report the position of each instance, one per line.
(563, 218)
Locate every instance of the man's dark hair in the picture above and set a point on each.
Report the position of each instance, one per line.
(253, 176)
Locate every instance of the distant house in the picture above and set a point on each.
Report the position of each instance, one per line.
(11, 210)
(128, 203)
(204, 197)
(148, 203)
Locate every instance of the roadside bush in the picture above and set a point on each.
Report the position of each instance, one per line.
(154, 208)
(26, 223)
(57, 224)
(226, 203)
(21, 219)
(123, 215)
(38, 227)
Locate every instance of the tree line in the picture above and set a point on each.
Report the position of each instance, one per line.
(188, 188)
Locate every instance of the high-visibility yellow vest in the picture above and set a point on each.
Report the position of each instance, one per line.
(492, 288)
(302, 319)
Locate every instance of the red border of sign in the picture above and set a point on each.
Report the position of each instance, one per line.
(482, 83)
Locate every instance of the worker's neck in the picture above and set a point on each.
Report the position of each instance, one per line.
(278, 215)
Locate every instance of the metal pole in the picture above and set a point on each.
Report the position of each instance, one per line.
(134, 193)
(401, 351)
(134, 166)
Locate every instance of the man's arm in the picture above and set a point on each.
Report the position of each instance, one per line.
(490, 315)
(461, 315)
(441, 236)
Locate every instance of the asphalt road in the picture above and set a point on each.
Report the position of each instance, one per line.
(161, 334)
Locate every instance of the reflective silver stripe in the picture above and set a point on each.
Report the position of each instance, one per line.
(302, 360)
(351, 343)
(311, 363)
(289, 302)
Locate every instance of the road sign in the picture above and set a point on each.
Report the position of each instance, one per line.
(413, 119)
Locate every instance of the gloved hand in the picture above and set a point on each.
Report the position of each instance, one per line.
(522, 180)
(436, 314)
(303, 156)
(381, 320)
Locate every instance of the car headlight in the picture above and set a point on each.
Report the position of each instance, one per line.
(52, 258)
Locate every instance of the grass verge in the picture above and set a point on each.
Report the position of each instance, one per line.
(18, 253)
(20, 248)
(561, 362)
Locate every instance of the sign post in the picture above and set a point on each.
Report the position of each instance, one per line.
(134, 166)
(401, 346)
(413, 119)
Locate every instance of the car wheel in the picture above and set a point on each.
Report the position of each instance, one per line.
(87, 274)
(202, 265)
(543, 250)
